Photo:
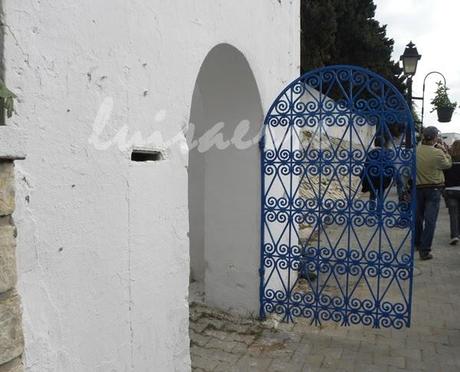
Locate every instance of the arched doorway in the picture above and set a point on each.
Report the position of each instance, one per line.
(224, 181)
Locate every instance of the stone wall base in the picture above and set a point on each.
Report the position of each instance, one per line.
(11, 335)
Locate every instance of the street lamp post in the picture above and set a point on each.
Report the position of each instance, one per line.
(409, 59)
(423, 90)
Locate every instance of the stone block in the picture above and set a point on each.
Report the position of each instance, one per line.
(8, 275)
(11, 336)
(7, 203)
(16, 365)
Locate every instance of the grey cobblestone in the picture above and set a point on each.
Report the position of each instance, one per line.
(202, 363)
(220, 335)
(367, 367)
(389, 361)
(240, 348)
(415, 354)
(221, 342)
(284, 366)
(226, 367)
(226, 346)
(199, 339)
(199, 326)
(248, 363)
(244, 338)
(254, 350)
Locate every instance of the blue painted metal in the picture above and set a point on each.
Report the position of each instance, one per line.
(329, 252)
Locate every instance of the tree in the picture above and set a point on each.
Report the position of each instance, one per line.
(345, 32)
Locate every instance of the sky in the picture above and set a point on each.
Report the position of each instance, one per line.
(434, 27)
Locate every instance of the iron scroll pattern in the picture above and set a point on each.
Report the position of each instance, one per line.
(329, 250)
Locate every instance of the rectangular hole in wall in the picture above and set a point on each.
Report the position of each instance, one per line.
(145, 155)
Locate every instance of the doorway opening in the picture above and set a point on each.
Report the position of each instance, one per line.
(224, 183)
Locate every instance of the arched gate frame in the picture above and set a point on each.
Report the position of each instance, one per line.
(337, 224)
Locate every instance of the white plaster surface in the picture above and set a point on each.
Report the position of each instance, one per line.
(103, 252)
(12, 143)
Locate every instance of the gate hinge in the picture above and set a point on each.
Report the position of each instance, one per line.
(261, 272)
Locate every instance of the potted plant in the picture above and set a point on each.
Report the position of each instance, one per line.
(442, 104)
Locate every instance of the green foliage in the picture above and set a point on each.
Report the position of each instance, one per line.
(441, 98)
(345, 32)
(7, 97)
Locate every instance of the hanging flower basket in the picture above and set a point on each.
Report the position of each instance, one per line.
(442, 104)
(445, 114)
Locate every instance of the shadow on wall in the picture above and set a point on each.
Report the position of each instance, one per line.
(224, 184)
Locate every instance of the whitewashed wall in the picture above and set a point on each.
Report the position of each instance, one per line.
(103, 251)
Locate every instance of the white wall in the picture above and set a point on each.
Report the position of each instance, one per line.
(103, 251)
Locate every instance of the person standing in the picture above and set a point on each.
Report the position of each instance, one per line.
(401, 173)
(431, 161)
(377, 173)
(452, 193)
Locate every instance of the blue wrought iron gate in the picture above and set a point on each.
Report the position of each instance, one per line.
(338, 165)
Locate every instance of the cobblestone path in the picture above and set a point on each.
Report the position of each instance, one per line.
(221, 342)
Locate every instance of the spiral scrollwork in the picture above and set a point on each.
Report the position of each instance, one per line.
(317, 219)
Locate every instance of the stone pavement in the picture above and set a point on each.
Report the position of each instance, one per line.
(221, 342)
